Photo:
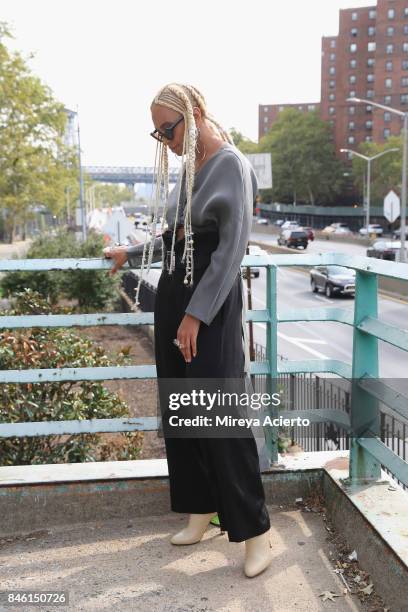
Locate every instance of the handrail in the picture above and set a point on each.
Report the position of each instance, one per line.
(367, 452)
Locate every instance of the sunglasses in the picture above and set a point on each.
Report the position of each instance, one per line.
(168, 131)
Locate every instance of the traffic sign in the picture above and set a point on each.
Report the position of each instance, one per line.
(392, 206)
(262, 164)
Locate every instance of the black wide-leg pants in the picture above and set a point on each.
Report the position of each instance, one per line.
(209, 474)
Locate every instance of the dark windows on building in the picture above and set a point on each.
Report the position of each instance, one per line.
(371, 31)
(370, 78)
(354, 16)
(332, 84)
(387, 117)
(390, 31)
(404, 81)
(353, 31)
(389, 49)
(387, 132)
(372, 14)
(370, 62)
(371, 46)
(352, 78)
(391, 13)
(369, 124)
(404, 99)
(387, 99)
(388, 83)
(353, 63)
(388, 66)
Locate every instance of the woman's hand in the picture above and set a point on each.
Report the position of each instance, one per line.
(119, 256)
(187, 336)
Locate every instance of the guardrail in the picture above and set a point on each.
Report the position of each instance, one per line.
(368, 453)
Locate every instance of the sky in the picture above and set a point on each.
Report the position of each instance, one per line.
(108, 59)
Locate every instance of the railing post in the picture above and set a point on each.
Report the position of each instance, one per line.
(364, 407)
(271, 433)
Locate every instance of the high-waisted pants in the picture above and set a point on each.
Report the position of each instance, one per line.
(209, 474)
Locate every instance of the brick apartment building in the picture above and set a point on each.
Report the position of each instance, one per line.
(367, 59)
(267, 113)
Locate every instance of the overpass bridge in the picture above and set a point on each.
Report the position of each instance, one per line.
(102, 528)
(129, 175)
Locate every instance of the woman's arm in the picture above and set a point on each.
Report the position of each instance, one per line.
(135, 252)
(232, 203)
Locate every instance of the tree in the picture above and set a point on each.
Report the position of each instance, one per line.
(305, 166)
(243, 143)
(385, 171)
(35, 164)
(111, 195)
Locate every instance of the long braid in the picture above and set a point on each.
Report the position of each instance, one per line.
(181, 98)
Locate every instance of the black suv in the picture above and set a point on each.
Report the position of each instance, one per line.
(293, 238)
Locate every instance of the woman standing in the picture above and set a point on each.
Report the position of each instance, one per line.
(199, 320)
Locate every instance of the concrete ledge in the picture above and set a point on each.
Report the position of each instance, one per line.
(373, 520)
(372, 517)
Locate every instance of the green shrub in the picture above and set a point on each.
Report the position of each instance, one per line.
(24, 349)
(92, 289)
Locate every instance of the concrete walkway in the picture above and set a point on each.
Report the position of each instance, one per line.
(131, 565)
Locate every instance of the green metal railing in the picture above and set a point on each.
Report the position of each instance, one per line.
(367, 452)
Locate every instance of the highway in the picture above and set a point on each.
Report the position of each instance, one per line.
(321, 339)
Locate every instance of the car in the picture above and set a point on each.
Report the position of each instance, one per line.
(397, 233)
(255, 272)
(289, 225)
(254, 249)
(337, 228)
(384, 249)
(279, 222)
(262, 221)
(373, 228)
(310, 233)
(333, 280)
(293, 238)
(141, 224)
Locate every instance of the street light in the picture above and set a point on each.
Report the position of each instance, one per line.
(368, 160)
(396, 111)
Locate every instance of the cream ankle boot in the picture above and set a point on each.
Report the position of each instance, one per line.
(195, 529)
(258, 554)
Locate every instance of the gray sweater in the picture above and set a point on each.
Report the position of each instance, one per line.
(223, 197)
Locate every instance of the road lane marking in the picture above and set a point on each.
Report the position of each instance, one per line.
(297, 343)
(323, 299)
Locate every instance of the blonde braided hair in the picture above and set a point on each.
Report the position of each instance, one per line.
(181, 98)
